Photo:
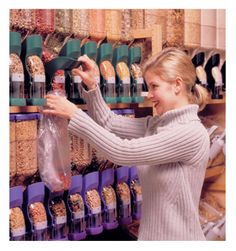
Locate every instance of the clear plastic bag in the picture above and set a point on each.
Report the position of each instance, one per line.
(54, 152)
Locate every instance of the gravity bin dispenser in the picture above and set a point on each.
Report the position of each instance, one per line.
(137, 80)
(75, 209)
(214, 76)
(56, 71)
(34, 70)
(108, 78)
(119, 61)
(73, 81)
(198, 61)
(16, 71)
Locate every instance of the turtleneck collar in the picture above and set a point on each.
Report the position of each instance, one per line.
(181, 115)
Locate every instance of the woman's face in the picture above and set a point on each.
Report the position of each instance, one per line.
(161, 93)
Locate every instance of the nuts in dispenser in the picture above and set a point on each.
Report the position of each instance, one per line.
(17, 222)
(76, 205)
(107, 70)
(58, 209)
(109, 196)
(93, 199)
(136, 188)
(136, 71)
(35, 65)
(15, 66)
(122, 70)
(123, 192)
(38, 215)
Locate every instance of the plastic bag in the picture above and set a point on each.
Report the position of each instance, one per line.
(53, 151)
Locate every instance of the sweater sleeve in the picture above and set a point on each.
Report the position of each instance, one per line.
(102, 115)
(174, 145)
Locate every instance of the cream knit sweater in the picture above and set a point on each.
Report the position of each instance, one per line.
(171, 153)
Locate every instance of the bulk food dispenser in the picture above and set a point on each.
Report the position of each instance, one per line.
(214, 77)
(75, 209)
(108, 198)
(136, 193)
(108, 78)
(73, 81)
(198, 61)
(90, 49)
(16, 217)
(35, 213)
(137, 80)
(56, 72)
(16, 71)
(123, 195)
(92, 203)
(34, 70)
(119, 61)
(56, 213)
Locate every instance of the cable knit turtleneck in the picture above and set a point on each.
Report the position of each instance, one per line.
(171, 153)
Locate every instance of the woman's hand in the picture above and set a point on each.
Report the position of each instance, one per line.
(88, 72)
(59, 106)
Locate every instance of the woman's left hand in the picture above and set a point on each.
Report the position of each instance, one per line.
(59, 106)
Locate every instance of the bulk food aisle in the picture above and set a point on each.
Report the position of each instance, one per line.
(95, 199)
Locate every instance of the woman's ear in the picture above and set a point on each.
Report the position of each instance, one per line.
(178, 85)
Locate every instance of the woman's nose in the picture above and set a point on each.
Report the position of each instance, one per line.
(149, 95)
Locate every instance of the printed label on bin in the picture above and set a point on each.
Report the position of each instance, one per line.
(40, 225)
(17, 77)
(139, 197)
(139, 80)
(111, 205)
(60, 220)
(96, 210)
(111, 80)
(76, 79)
(218, 83)
(39, 78)
(125, 202)
(59, 79)
(126, 81)
(18, 231)
(79, 214)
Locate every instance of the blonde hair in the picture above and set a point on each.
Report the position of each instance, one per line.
(171, 63)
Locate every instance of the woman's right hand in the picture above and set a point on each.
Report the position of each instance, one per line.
(88, 72)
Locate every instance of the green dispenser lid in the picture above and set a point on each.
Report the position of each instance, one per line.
(104, 52)
(61, 63)
(90, 49)
(120, 54)
(15, 42)
(32, 45)
(71, 49)
(134, 55)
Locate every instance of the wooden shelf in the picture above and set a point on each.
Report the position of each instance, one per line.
(146, 103)
(214, 172)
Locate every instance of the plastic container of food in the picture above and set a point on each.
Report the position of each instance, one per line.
(123, 195)
(75, 209)
(108, 198)
(26, 144)
(16, 218)
(92, 203)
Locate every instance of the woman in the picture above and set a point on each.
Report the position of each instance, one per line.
(170, 150)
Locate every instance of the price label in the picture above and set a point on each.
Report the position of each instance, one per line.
(139, 80)
(111, 80)
(17, 77)
(39, 78)
(96, 210)
(61, 220)
(77, 79)
(79, 214)
(126, 81)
